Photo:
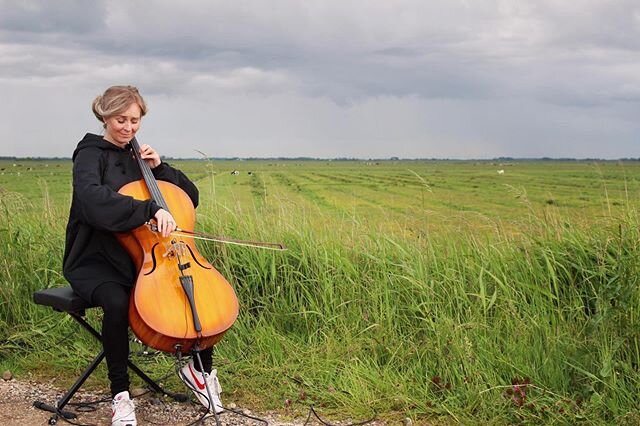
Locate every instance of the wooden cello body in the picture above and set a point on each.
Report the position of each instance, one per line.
(179, 299)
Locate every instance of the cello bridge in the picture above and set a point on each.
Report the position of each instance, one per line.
(176, 248)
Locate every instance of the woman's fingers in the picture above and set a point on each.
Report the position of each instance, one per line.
(166, 222)
(150, 155)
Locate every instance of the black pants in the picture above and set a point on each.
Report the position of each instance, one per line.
(113, 298)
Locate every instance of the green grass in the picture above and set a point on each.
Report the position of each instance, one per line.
(440, 291)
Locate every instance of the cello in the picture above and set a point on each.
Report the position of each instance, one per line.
(180, 301)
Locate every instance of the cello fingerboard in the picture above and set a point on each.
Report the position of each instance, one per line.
(148, 177)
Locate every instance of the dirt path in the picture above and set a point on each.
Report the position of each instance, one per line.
(17, 397)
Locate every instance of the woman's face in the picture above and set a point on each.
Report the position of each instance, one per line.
(121, 128)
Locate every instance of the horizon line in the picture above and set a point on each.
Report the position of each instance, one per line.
(310, 158)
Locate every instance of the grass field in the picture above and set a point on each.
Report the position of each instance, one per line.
(444, 291)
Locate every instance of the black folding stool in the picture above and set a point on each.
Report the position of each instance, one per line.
(63, 299)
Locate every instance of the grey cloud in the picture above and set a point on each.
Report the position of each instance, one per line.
(357, 49)
(454, 71)
(59, 16)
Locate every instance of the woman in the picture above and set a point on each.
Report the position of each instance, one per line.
(95, 264)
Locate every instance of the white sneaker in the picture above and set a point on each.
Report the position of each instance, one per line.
(123, 411)
(195, 381)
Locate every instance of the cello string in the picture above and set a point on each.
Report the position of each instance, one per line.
(152, 184)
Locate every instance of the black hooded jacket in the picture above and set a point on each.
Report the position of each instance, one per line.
(92, 254)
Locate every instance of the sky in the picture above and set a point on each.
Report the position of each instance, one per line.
(327, 78)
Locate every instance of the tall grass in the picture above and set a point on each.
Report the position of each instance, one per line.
(540, 327)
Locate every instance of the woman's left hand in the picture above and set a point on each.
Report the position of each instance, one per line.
(150, 155)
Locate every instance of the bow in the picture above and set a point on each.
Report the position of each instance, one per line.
(220, 239)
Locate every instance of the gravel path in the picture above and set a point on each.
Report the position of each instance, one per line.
(17, 397)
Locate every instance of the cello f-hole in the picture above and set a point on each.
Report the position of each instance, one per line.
(153, 258)
(196, 259)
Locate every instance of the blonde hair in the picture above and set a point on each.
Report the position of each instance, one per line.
(115, 100)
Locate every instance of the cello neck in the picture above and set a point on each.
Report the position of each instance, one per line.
(148, 177)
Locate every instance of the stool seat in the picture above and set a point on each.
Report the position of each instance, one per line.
(61, 299)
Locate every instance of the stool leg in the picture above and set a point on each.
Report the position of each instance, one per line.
(180, 397)
(85, 375)
(152, 384)
(62, 402)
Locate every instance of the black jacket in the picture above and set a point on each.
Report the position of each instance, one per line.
(92, 254)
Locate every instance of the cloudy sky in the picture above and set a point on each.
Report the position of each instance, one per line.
(329, 78)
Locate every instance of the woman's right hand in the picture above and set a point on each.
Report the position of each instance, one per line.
(166, 223)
